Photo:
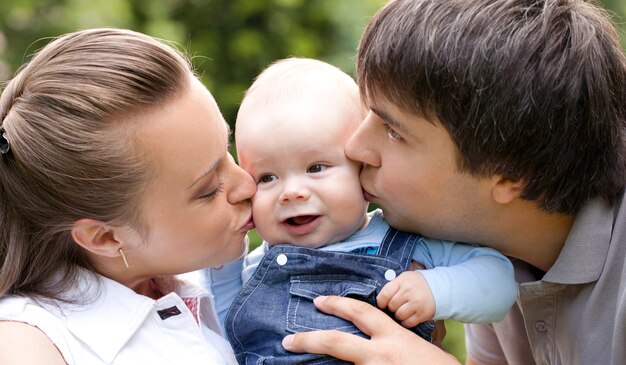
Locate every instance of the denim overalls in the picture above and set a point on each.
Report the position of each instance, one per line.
(278, 298)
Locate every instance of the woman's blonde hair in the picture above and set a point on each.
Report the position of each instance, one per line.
(66, 115)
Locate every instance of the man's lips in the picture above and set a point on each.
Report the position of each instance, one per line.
(369, 197)
(364, 183)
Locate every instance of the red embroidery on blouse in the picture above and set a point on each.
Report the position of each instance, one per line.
(192, 304)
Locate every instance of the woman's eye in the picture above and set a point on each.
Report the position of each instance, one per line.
(318, 167)
(391, 133)
(267, 178)
(210, 196)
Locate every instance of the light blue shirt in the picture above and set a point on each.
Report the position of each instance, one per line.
(469, 283)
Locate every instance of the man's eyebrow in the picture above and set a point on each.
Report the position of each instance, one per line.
(206, 172)
(389, 120)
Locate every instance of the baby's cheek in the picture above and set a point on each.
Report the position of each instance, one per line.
(262, 204)
(261, 215)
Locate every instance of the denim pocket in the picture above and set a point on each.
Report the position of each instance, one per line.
(301, 312)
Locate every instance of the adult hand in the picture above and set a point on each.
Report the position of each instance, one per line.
(389, 342)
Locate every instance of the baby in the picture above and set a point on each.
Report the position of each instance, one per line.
(291, 130)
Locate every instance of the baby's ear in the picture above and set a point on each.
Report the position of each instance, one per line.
(96, 237)
(506, 189)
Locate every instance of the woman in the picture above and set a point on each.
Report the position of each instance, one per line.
(114, 175)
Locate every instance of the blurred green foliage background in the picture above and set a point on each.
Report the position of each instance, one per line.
(230, 41)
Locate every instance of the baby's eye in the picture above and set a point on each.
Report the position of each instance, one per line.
(391, 133)
(267, 178)
(318, 167)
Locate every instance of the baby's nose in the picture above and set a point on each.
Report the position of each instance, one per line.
(294, 192)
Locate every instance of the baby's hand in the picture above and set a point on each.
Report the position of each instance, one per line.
(409, 297)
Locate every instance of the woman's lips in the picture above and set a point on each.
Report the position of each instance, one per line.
(248, 226)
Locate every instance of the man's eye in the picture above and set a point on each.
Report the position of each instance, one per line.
(318, 167)
(391, 133)
(267, 178)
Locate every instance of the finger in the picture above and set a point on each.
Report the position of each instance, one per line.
(386, 293)
(342, 345)
(405, 311)
(369, 319)
(399, 299)
(411, 322)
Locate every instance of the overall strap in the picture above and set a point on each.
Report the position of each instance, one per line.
(399, 246)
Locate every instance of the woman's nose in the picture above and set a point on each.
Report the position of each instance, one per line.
(243, 186)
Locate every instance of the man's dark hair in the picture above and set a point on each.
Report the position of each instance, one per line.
(532, 90)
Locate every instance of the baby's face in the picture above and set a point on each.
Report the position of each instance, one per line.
(308, 191)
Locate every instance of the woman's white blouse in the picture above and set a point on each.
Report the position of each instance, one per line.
(120, 326)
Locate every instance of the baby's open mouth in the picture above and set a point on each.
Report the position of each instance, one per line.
(300, 220)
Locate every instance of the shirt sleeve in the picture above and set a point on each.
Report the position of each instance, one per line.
(224, 285)
(469, 284)
(482, 345)
(226, 282)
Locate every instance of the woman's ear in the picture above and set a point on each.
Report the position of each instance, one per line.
(96, 237)
(506, 189)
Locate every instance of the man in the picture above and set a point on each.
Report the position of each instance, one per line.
(502, 123)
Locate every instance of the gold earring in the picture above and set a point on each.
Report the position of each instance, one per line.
(123, 257)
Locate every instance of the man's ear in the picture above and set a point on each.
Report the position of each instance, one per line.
(96, 237)
(506, 189)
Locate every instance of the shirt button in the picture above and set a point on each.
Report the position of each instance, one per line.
(281, 259)
(540, 326)
(390, 275)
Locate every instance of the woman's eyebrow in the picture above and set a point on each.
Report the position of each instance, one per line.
(218, 162)
(207, 172)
